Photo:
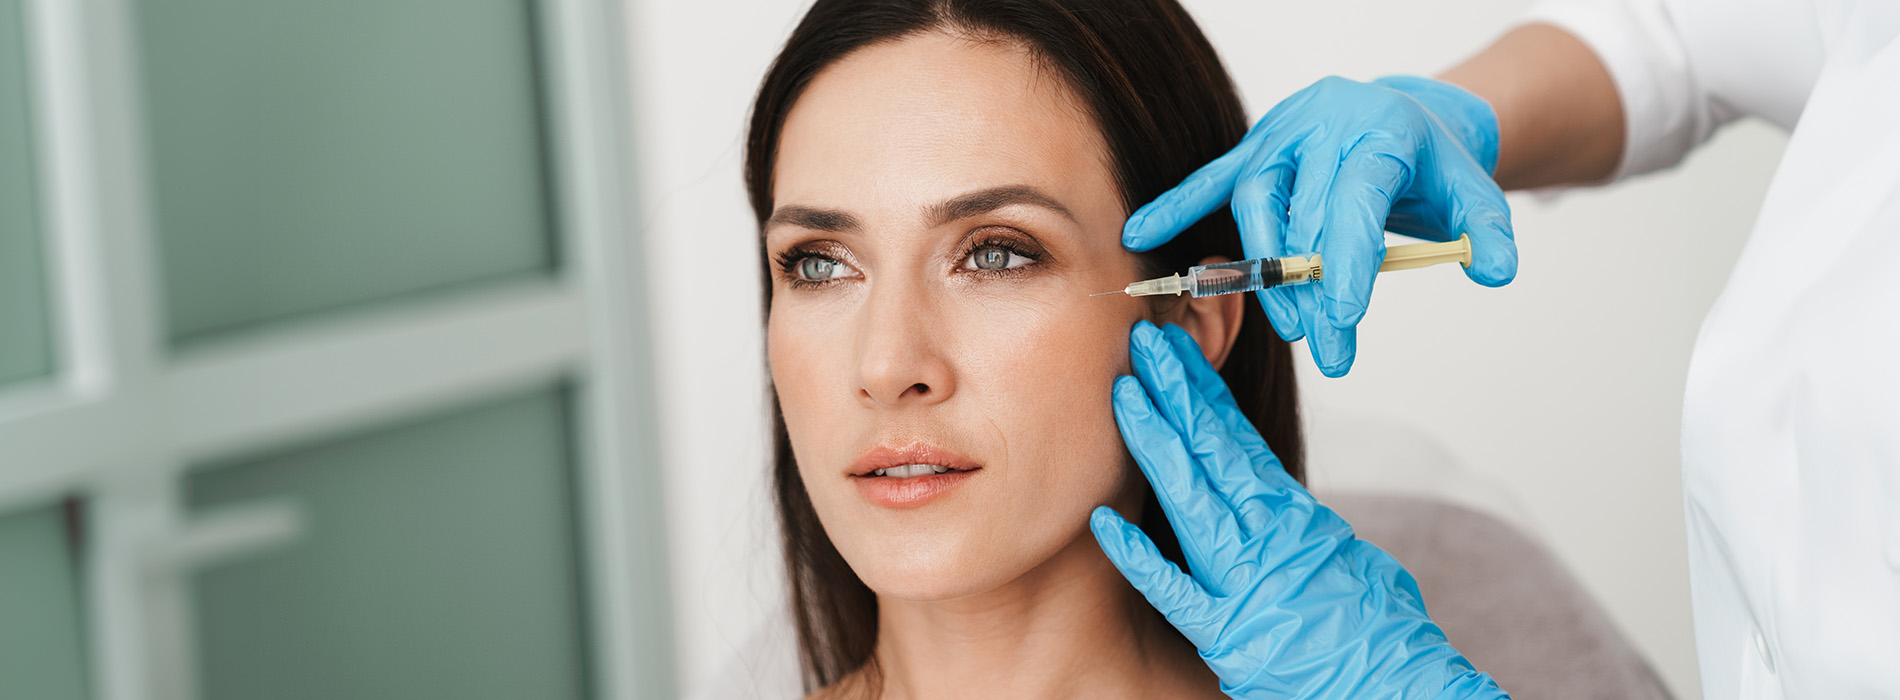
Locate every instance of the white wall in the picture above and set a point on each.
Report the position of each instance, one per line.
(1562, 389)
(696, 65)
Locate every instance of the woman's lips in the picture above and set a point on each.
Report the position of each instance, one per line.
(892, 492)
(912, 491)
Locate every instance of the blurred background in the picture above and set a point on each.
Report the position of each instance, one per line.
(356, 349)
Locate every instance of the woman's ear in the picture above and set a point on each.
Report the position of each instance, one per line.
(1213, 322)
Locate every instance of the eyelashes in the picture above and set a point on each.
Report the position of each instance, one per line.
(998, 256)
(814, 264)
(990, 252)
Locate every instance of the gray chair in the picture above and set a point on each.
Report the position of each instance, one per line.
(1503, 600)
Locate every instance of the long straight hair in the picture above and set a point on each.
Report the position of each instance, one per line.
(1165, 106)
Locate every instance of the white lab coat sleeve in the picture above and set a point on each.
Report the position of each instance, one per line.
(1668, 109)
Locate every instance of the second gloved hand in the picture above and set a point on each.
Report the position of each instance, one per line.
(1280, 598)
(1332, 168)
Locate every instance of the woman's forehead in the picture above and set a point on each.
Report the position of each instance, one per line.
(934, 114)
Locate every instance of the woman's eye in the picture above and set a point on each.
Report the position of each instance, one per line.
(995, 258)
(813, 268)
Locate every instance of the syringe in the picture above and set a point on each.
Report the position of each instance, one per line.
(1261, 273)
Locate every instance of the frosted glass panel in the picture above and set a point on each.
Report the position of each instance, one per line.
(24, 348)
(42, 654)
(309, 156)
(440, 561)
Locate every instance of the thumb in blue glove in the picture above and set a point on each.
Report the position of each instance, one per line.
(1332, 168)
(1280, 598)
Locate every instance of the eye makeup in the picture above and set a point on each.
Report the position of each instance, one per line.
(987, 252)
(999, 251)
(814, 264)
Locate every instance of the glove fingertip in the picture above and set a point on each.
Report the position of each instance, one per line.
(1130, 397)
(1492, 278)
(1165, 586)
(1344, 311)
(1153, 355)
(1141, 234)
(1333, 362)
(1187, 349)
(1498, 269)
(1145, 331)
(1281, 314)
(1105, 522)
(1336, 370)
(1118, 539)
(1493, 250)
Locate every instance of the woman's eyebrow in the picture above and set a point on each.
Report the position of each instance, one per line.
(830, 220)
(983, 201)
(963, 206)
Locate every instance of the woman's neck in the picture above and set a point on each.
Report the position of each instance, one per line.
(1071, 627)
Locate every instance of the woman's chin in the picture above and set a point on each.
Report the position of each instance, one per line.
(923, 568)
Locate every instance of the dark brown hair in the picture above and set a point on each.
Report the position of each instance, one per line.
(1165, 106)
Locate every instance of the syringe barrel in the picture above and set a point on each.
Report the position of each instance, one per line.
(1232, 277)
(1250, 275)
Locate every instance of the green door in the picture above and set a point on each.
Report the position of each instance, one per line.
(42, 653)
(25, 350)
(314, 156)
(440, 561)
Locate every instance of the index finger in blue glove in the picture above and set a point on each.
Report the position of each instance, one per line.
(1234, 460)
(1163, 367)
(1333, 348)
(1202, 520)
(1211, 186)
(1213, 390)
(1178, 596)
(1260, 212)
(1251, 486)
(1372, 177)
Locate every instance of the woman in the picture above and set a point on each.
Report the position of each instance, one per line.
(940, 185)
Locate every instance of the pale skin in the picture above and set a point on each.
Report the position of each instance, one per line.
(942, 210)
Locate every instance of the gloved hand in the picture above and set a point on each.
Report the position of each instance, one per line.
(1282, 600)
(1328, 170)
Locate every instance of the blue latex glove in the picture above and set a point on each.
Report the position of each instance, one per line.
(1282, 601)
(1328, 170)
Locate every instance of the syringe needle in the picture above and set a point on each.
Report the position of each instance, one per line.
(1118, 291)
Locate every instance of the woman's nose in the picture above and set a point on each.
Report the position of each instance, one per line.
(899, 352)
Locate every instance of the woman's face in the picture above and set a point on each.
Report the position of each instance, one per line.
(943, 209)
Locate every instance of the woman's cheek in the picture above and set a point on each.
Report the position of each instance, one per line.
(807, 339)
(1049, 381)
(802, 363)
